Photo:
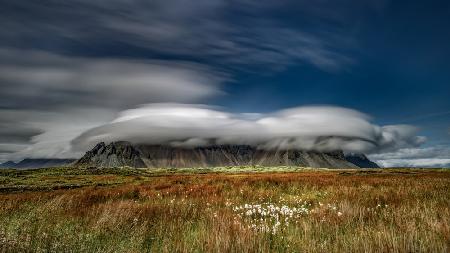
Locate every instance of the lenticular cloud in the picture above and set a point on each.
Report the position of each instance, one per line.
(320, 128)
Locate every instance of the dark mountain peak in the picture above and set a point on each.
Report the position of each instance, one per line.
(115, 154)
(100, 146)
(124, 148)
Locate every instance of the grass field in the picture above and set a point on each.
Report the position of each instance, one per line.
(240, 209)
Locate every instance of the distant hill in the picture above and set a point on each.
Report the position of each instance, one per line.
(8, 164)
(118, 154)
(37, 163)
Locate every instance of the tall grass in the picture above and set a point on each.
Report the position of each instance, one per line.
(341, 212)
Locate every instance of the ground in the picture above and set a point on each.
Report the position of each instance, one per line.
(239, 209)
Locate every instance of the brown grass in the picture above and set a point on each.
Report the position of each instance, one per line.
(351, 211)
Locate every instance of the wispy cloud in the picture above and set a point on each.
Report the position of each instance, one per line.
(226, 33)
(43, 80)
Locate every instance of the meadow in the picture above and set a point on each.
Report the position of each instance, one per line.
(239, 209)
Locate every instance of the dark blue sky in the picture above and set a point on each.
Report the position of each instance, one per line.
(389, 59)
(400, 73)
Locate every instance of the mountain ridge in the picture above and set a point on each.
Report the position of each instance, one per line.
(33, 163)
(122, 153)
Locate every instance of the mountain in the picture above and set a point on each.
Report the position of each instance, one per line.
(361, 161)
(118, 154)
(37, 163)
(8, 164)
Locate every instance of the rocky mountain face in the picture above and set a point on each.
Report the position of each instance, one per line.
(119, 154)
(116, 154)
(37, 163)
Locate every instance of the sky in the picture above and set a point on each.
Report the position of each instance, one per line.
(367, 76)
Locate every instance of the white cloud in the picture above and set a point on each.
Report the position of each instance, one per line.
(322, 128)
(424, 162)
(435, 156)
(53, 132)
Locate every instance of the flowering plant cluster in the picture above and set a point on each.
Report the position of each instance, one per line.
(270, 217)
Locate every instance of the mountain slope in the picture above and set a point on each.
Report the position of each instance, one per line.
(361, 161)
(236, 155)
(118, 154)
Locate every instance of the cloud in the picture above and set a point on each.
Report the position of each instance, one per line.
(435, 156)
(11, 148)
(219, 31)
(50, 134)
(418, 163)
(36, 80)
(17, 132)
(48, 99)
(322, 128)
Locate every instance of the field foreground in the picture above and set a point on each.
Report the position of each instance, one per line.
(271, 210)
